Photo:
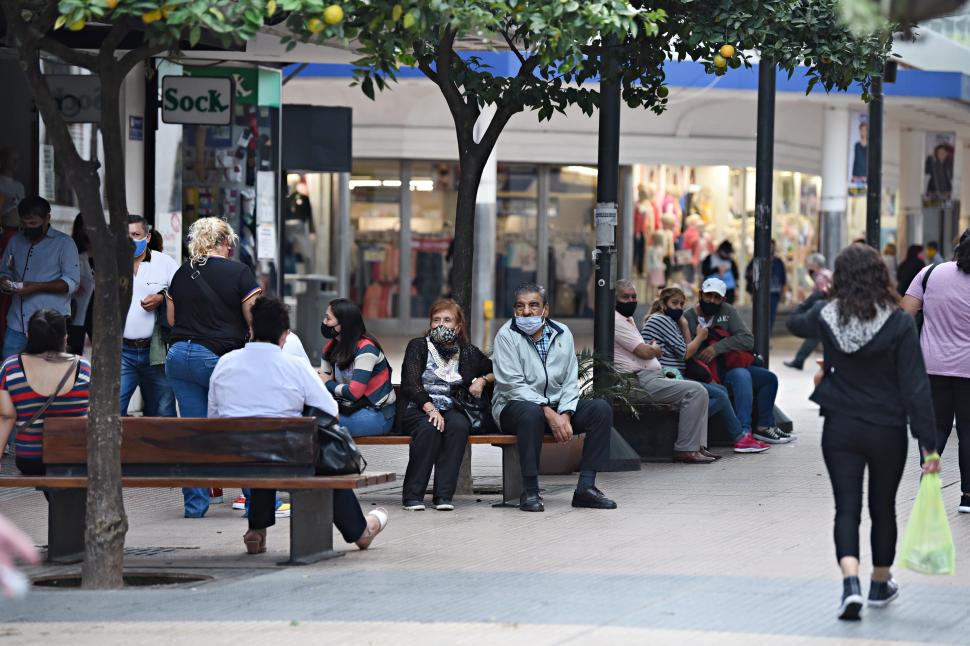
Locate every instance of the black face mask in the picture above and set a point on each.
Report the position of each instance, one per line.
(327, 331)
(710, 309)
(34, 233)
(674, 314)
(626, 309)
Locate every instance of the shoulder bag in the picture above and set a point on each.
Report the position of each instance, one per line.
(478, 410)
(50, 400)
(919, 315)
(339, 454)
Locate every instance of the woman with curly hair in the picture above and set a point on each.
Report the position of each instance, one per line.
(874, 382)
(945, 340)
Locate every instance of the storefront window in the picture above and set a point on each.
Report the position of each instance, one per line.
(434, 197)
(516, 226)
(572, 199)
(375, 216)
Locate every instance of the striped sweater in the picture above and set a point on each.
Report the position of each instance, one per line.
(26, 401)
(369, 376)
(662, 329)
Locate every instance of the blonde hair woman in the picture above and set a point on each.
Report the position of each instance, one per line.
(209, 303)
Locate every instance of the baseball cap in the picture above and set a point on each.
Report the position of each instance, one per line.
(714, 286)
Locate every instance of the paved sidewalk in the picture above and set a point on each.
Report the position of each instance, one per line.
(739, 552)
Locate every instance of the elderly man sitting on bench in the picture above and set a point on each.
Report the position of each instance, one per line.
(260, 380)
(537, 392)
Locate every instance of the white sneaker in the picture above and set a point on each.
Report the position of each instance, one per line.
(445, 506)
(414, 505)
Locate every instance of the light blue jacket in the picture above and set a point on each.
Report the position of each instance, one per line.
(520, 375)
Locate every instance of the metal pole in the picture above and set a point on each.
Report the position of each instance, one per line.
(764, 176)
(874, 181)
(607, 189)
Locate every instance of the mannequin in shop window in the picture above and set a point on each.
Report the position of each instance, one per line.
(656, 270)
(644, 224)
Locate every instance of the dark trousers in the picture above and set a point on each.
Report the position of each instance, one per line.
(805, 351)
(430, 448)
(347, 515)
(849, 446)
(951, 399)
(594, 417)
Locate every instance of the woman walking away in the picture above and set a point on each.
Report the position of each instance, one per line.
(945, 341)
(874, 381)
(41, 382)
(434, 365)
(209, 303)
(356, 372)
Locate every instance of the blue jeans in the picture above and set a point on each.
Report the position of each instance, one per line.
(137, 371)
(753, 386)
(368, 421)
(719, 403)
(14, 342)
(188, 368)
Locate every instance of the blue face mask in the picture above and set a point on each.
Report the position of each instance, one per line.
(529, 324)
(140, 246)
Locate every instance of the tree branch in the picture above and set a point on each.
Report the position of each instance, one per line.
(515, 50)
(109, 46)
(138, 55)
(67, 54)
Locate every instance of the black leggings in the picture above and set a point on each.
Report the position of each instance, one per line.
(951, 398)
(848, 446)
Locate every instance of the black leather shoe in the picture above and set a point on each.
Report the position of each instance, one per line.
(530, 501)
(592, 498)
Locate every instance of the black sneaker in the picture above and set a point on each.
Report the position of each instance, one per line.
(964, 507)
(851, 607)
(881, 594)
(592, 498)
(794, 364)
(413, 505)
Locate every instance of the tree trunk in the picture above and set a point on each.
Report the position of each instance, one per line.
(107, 523)
(463, 255)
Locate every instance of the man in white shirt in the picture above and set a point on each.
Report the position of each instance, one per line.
(260, 380)
(152, 276)
(632, 355)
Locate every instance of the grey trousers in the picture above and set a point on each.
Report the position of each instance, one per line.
(688, 397)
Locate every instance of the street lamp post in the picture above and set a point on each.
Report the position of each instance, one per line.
(764, 176)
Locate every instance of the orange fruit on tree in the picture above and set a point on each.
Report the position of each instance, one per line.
(727, 51)
(314, 25)
(151, 16)
(719, 61)
(333, 14)
(77, 25)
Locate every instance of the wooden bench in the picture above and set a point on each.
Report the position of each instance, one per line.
(261, 453)
(511, 465)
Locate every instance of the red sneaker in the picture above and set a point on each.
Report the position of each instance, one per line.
(239, 503)
(748, 444)
(215, 496)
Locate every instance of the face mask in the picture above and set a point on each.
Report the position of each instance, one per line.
(674, 314)
(626, 309)
(34, 233)
(529, 324)
(443, 335)
(140, 246)
(327, 331)
(710, 309)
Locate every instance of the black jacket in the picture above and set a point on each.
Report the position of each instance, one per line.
(472, 363)
(874, 371)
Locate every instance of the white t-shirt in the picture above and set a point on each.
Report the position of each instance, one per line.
(260, 380)
(294, 347)
(152, 277)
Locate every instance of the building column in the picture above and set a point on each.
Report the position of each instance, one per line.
(912, 155)
(343, 236)
(134, 106)
(483, 278)
(404, 244)
(628, 202)
(833, 227)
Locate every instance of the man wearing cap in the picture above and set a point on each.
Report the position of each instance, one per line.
(751, 386)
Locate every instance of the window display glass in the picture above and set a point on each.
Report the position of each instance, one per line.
(433, 188)
(375, 215)
(517, 206)
(572, 199)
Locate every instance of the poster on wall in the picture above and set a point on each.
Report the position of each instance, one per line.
(858, 152)
(938, 168)
(169, 226)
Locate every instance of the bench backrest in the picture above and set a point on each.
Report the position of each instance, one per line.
(192, 443)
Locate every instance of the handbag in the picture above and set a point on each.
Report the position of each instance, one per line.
(50, 400)
(478, 410)
(919, 315)
(338, 454)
